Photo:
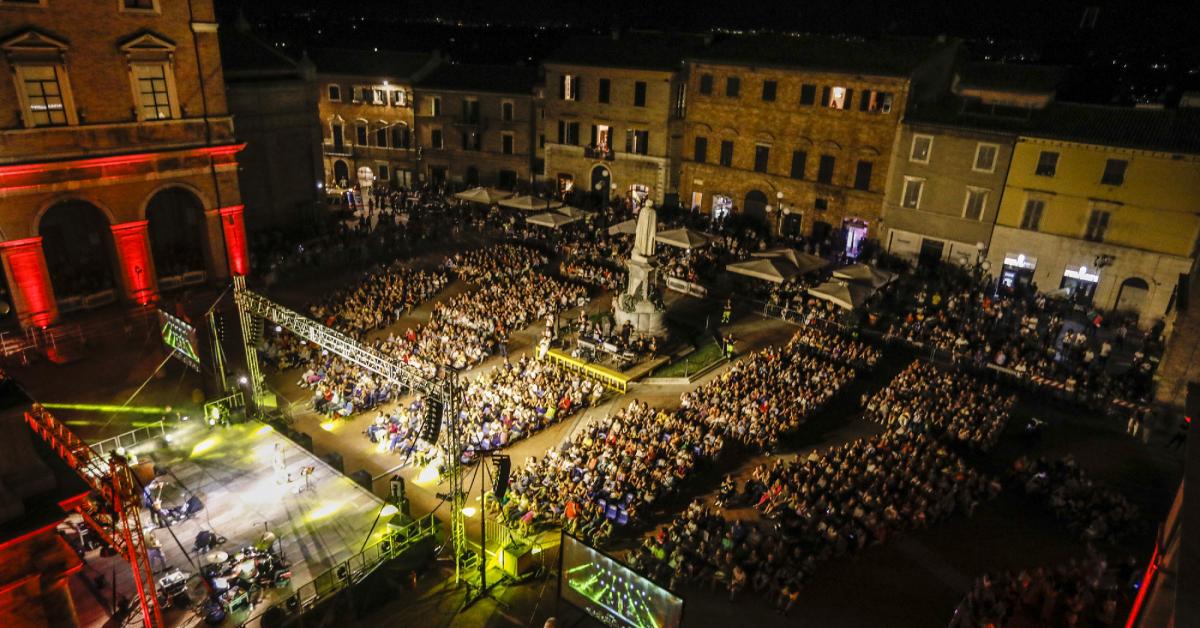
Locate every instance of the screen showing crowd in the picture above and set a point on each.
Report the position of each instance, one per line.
(612, 593)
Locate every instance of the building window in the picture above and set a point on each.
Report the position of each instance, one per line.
(798, 159)
(43, 95)
(435, 106)
(872, 101)
(922, 146)
(1033, 214)
(506, 143)
(679, 109)
(1114, 172)
(149, 6)
(1047, 164)
(985, 158)
(974, 203)
(603, 89)
(706, 84)
(1097, 225)
(472, 140)
(862, 176)
(379, 96)
(808, 94)
(768, 92)
(339, 139)
(568, 87)
(400, 136)
(435, 138)
(700, 154)
(27, 3)
(727, 153)
(470, 111)
(383, 172)
(541, 140)
(637, 142)
(836, 97)
(506, 111)
(153, 93)
(335, 93)
(821, 204)
(762, 155)
(562, 132)
(639, 94)
(913, 187)
(573, 133)
(733, 85)
(400, 98)
(360, 134)
(381, 136)
(825, 169)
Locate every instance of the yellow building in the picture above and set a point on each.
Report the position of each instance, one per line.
(1103, 202)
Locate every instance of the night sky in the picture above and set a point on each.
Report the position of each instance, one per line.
(1138, 52)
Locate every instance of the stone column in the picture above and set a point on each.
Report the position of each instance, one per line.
(29, 282)
(234, 227)
(132, 242)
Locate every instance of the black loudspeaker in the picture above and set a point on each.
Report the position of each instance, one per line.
(363, 478)
(503, 468)
(433, 420)
(334, 459)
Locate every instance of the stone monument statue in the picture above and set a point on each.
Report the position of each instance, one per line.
(641, 304)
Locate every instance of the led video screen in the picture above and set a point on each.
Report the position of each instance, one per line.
(180, 338)
(611, 592)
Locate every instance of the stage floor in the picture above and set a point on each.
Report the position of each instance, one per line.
(231, 471)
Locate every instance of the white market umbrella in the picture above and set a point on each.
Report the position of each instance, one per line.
(683, 238)
(804, 262)
(529, 203)
(864, 274)
(773, 269)
(554, 220)
(628, 227)
(486, 196)
(573, 212)
(846, 295)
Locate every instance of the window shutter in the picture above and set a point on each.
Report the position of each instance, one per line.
(562, 87)
(562, 132)
(595, 135)
(849, 99)
(825, 96)
(865, 100)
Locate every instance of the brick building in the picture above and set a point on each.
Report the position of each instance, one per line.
(807, 123)
(366, 114)
(613, 116)
(273, 100)
(117, 154)
(476, 125)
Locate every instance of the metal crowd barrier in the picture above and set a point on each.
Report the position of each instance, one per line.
(611, 379)
(129, 439)
(353, 570)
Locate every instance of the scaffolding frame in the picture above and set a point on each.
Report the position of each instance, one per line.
(445, 388)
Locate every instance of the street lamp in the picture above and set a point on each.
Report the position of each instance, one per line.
(779, 211)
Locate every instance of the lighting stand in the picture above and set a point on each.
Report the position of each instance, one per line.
(483, 590)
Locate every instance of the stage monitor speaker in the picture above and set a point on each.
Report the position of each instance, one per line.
(303, 440)
(363, 478)
(503, 469)
(334, 459)
(433, 420)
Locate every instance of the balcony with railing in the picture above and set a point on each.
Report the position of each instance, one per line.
(597, 152)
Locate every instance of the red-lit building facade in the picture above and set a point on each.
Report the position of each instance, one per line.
(118, 163)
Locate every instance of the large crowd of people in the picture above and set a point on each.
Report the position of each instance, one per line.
(1083, 592)
(1091, 511)
(928, 399)
(814, 508)
(378, 300)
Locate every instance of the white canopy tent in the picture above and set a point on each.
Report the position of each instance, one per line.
(486, 196)
(683, 238)
(773, 269)
(529, 203)
(846, 295)
(573, 212)
(628, 227)
(554, 220)
(864, 274)
(804, 262)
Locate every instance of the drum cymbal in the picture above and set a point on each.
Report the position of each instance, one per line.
(216, 557)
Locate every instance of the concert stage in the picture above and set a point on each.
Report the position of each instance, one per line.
(319, 522)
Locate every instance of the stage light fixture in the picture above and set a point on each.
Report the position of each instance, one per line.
(469, 511)
(389, 510)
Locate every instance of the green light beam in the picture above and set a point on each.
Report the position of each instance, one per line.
(100, 407)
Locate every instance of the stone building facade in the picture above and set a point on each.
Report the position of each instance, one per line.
(803, 123)
(476, 125)
(366, 113)
(118, 171)
(614, 116)
(1100, 202)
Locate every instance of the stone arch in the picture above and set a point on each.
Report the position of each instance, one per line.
(730, 131)
(831, 146)
(765, 137)
(205, 202)
(78, 244)
(805, 141)
(868, 151)
(1133, 294)
(177, 230)
(754, 204)
(341, 171)
(700, 127)
(65, 198)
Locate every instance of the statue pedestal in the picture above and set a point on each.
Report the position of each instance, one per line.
(638, 304)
